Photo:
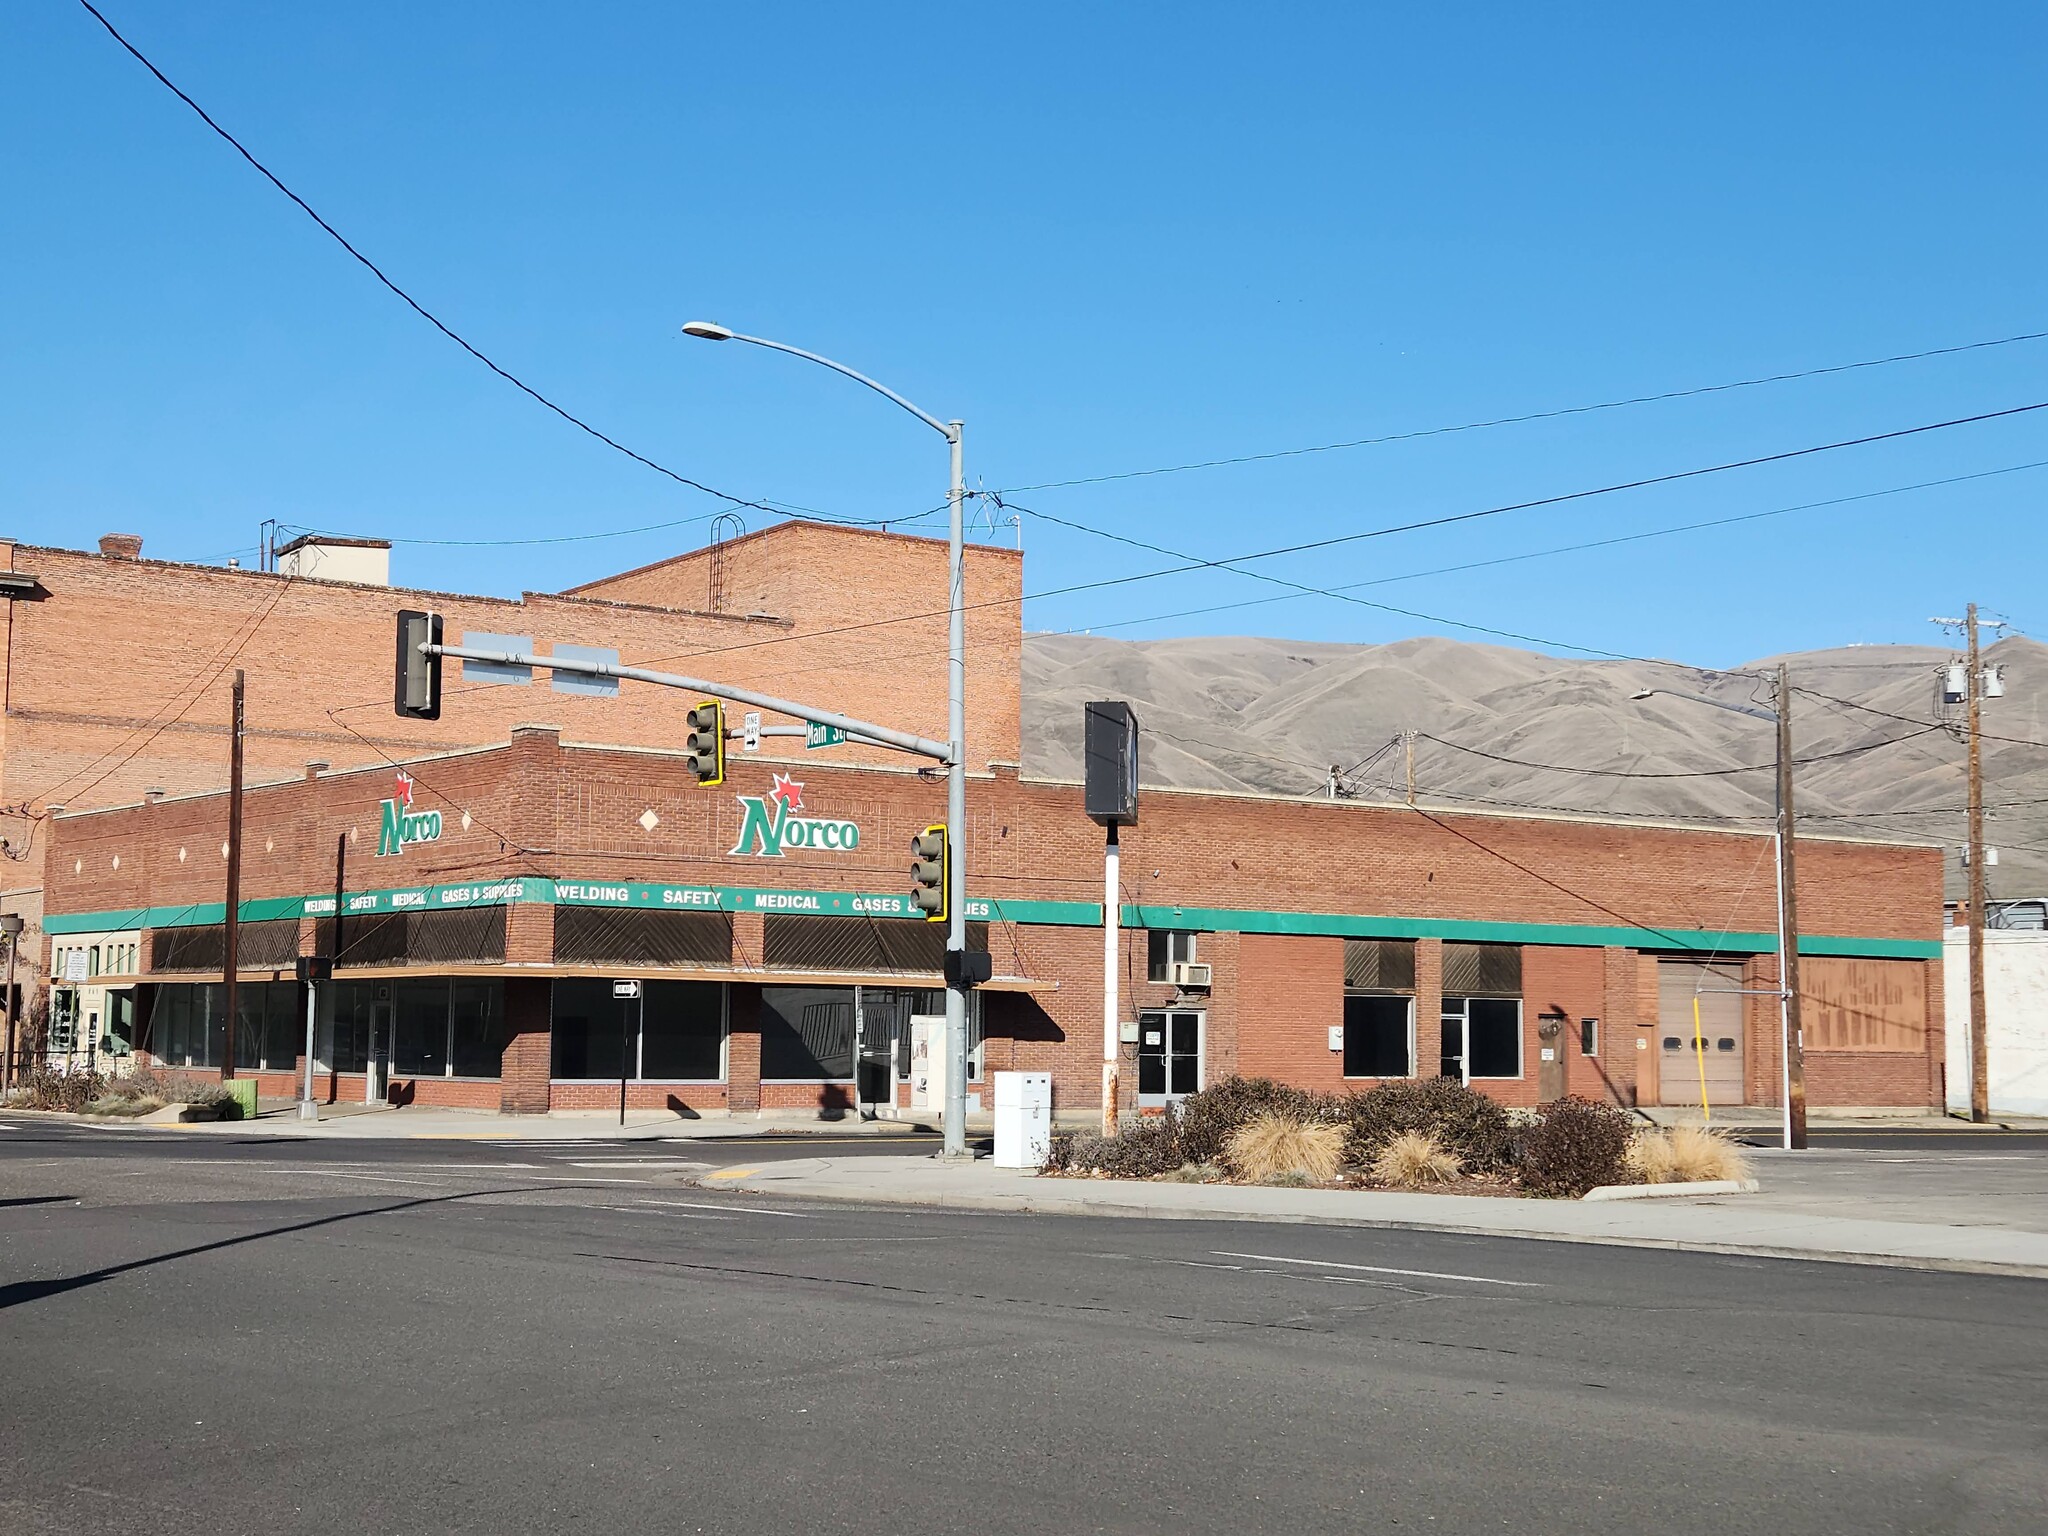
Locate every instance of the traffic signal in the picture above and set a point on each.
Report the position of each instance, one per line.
(706, 743)
(416, 690)
(931, 871)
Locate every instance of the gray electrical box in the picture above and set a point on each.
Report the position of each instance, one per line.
(1110, 749)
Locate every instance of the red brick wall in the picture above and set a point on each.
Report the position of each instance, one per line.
(1292, 993)
(82, 732)
(537, 807)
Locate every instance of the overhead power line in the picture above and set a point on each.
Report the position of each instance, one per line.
(1336, 540)
(1548, 415)
(1693, 773)
(1534, 554)
(409, 301)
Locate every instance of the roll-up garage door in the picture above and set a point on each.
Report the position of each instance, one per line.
(1718, 1053)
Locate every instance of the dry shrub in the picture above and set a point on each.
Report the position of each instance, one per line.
(1208, 1119)
(1273, 1147)
(1686, 1154)
(1459, 1119)
(1574, 1145)
(1412, 1160)
(1142, 1149)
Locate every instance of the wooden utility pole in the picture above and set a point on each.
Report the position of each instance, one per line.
(1788, 928)
(231, 956)
(1980, 1087)
(1410, 737)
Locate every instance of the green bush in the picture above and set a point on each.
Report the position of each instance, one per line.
(1459, 1119)
(1574, 1145)
(1208, 1119)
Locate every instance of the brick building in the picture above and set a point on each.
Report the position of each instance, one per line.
(490, 898)
(118, 668)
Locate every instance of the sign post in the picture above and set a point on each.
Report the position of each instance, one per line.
(1110, 797)
(626, 992)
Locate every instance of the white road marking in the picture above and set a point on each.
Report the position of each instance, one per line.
(1970, 1157)
(644, 1210)
(751, 1210)
(636, 1162)
(1377, 1269)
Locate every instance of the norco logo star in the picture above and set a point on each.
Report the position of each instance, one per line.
(771, 825)
(402, 825)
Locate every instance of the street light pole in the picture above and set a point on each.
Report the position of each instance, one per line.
(955, 1144)
(1791, 1044)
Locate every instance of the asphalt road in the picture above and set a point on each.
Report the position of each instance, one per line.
(199, 1335)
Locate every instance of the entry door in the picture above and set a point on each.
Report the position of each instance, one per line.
(1714, 1053)
(1169, 1055)
(378, 1080)
(1451, 1062)
(882, 1019)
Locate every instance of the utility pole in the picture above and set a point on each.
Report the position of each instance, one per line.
(231, 957)
(1793, 1059)
(10, 930)
(1980, 1086)
(1409, 738)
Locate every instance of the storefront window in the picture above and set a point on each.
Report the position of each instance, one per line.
(419, 1041)
(682, 1031)
(415, 1028)
(476, 1028)
(1379, 1032)
(807, 1034)
(188, 1025)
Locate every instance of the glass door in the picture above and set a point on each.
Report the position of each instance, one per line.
(1169, 1055)
(883, 1023)
(1452, 1053)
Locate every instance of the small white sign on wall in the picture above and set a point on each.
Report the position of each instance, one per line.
(1336, 1037)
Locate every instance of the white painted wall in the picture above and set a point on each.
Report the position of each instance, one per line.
(2016, 1005)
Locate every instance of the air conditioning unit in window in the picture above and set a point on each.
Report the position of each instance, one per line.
(1190, 976)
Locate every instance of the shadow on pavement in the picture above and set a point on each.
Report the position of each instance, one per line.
(21, 1291)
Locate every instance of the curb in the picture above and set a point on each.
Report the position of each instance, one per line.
(1034, 1205)
(1673, 1191)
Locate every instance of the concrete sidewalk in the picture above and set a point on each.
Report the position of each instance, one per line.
(1745, 1224)
(416, 1122)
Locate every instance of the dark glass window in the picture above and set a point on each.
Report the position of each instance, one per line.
(1493, 1037)
(807, 1033)
(589, 1028)
(1376, 1035)
(419, 1040)
(477, 1028)
(683, 1031)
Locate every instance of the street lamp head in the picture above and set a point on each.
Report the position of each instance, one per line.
(704, 330)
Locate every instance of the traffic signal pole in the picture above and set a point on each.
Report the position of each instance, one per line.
(879, 735)
(956, 807)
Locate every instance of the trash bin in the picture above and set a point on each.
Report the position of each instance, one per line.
(1023, 1119)
(243, 1091)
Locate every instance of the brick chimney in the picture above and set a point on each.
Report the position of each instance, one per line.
(121, 546)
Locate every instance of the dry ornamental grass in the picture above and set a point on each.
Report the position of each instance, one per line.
(1274, 1147)
(1685, 1154)
(1413, 1159)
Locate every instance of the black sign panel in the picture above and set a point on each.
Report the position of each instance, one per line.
(1110, 747)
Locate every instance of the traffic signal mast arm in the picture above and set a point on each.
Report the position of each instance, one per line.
(878, 735)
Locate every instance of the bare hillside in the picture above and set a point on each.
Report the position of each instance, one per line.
(1275, 715)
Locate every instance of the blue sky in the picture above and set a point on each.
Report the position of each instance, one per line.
(1110, 237)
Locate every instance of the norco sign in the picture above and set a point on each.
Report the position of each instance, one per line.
(770, 824)
(402, 825)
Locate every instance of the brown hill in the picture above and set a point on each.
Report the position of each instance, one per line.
(1502, 727)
